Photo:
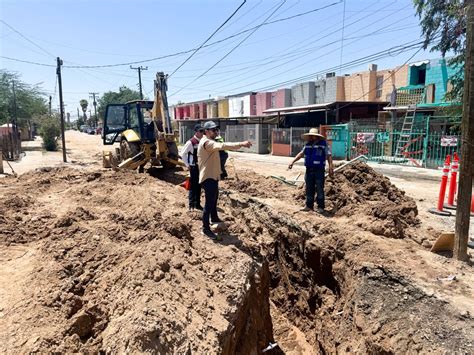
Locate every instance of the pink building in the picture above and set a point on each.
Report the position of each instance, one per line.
(202, 110)
(263, 102)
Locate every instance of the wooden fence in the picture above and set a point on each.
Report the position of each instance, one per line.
(10, 145)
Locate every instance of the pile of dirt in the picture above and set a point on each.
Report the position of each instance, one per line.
(107, 261)
(372, 200)
(256, 185)
(357, 191)
(120, 266)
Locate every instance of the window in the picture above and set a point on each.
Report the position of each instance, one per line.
(272, 102)
(133, 117)
(378, 86)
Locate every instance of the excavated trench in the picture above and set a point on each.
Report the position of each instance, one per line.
(326, 294)
(121, 274)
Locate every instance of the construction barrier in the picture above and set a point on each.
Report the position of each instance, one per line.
(453, 182)
(442, 190)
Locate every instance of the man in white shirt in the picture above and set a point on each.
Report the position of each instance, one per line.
(190, 159)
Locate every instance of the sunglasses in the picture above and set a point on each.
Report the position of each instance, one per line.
(201, 131)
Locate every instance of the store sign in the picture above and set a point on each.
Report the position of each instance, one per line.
(449, 141)
(365, 137)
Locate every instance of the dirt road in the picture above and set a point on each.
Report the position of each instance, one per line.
(96, 260)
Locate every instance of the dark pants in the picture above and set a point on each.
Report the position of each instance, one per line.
(195, 191)
(223, 155)
(314, 180)
(211, 192)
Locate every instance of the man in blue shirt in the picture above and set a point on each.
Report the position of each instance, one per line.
(315, 152)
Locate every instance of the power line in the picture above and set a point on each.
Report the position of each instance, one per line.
(27, 61)
(208, 38)
(205, 46)
(26, 38)
(307, 51)
(233, 49)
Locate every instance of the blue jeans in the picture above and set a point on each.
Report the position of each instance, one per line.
(195, 191)
(314, 180)
(211, 192)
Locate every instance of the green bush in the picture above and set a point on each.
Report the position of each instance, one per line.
(49, 131)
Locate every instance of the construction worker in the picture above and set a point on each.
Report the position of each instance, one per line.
(315, 152)
(190, 159)
(210, 172)
(223, 155)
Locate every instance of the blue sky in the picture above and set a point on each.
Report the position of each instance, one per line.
(104, 32)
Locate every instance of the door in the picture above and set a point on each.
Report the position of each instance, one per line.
(115, 122)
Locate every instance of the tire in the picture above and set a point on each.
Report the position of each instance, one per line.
(128, 149)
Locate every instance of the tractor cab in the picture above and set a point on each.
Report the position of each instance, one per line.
(132, 121)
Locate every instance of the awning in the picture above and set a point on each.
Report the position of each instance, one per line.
(306, 108)
(419, 64)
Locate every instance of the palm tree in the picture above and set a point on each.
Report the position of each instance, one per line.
(84, 105)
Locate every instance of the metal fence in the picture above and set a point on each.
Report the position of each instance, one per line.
(288, 141)
(423, 149)
(258, 134)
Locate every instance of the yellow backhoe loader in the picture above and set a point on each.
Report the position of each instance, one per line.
(143, 129)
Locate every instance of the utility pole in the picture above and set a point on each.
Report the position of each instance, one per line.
(94, 102)
(61, 106)
(466, 171)
(14, 121)
(140, 78)
(50, 99)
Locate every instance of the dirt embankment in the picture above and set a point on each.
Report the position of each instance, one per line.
(118, 266)
(116, 263)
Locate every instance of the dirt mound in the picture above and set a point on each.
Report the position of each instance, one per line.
(380, 207)
(357, 191)
(119, 266)
(256, 185)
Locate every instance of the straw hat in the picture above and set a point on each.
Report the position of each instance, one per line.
(313, 132)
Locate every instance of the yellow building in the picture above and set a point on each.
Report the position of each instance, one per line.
(223, 108)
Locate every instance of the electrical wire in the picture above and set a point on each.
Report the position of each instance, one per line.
(389, 77)
(232, 50)
(27, 61)
(308, 51)
(208, 38)
(207, 45)
(26, 38)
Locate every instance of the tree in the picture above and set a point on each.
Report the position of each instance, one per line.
(83, 103)
(30, 101)
(50, 132)
(124, 95)
(443, 23)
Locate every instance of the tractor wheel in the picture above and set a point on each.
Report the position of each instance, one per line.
(128, 149)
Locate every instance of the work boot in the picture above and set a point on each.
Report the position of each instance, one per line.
(210, 234)
(306, 209)
(321, 211)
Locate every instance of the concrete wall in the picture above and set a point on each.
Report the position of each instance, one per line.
(320, 91)
(303, 94)
(360, 86)
(397, 77)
